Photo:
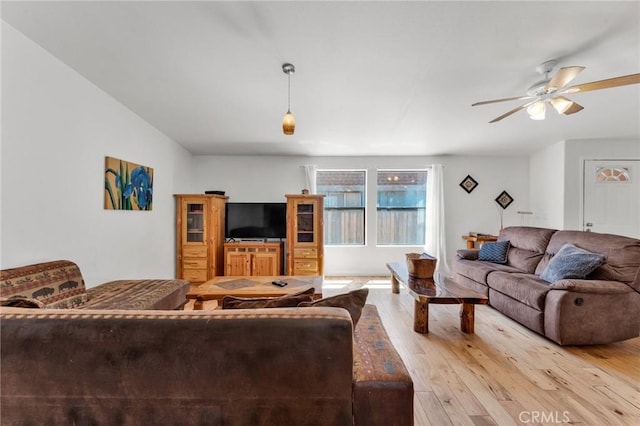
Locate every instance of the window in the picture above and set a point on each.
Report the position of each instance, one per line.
(344, 205)
(402, 200)
(612, 174)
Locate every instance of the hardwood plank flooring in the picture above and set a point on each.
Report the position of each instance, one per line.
(504, 374)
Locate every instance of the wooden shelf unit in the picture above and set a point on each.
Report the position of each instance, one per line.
(248, 258)
(199, 236)
(305, 234)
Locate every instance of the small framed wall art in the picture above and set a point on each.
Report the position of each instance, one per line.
(468, 184)
(127, 186)
(504, 199)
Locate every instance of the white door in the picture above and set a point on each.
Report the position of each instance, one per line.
(612, 197)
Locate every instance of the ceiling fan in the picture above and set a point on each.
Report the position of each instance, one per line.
(551, 90)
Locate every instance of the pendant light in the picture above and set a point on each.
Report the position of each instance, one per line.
(289, 121)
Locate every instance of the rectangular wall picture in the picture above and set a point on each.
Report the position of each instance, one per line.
(127, 186)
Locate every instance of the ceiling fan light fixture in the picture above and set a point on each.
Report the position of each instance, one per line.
(537, 110)
(289, 121)
(561, 104)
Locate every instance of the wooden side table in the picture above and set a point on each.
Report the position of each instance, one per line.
(480, 239)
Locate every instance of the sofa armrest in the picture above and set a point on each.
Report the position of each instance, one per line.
(382, 386)
(591, 286)
(581, 318)
(468, 254)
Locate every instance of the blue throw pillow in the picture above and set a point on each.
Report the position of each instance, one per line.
(494, 252)
(571, 262)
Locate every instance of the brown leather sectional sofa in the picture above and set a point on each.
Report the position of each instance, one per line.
(603, 308)
(279, 366)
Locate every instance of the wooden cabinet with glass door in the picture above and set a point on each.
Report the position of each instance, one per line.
(305, 247)
(199, 236)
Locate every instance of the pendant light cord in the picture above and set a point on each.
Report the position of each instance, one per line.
(289, 92)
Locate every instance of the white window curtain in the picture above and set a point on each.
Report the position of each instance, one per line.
(310, 175)
(435, 227)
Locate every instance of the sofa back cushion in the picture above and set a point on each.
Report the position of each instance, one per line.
(56, 284)
(528, 245)
(622, 255)
(281, 366)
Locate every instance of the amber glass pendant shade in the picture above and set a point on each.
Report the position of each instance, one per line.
(288, 123)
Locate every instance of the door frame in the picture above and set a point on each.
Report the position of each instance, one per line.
(582, 180)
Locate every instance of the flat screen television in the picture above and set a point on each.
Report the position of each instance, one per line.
(255, 220)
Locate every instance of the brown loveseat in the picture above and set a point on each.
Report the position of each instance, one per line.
(279, 366)
(59, 285)
(603, 308)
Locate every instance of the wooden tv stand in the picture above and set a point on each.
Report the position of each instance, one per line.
(253, 258)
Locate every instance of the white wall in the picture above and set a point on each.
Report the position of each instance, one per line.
(259, 178)
(575, 153)
(546, 183)
(56, 130)
(556, 174)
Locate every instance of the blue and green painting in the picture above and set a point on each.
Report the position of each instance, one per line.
(127, 186)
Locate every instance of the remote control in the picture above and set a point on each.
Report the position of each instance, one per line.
(279, 283)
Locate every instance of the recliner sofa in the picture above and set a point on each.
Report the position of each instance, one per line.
(603, 308)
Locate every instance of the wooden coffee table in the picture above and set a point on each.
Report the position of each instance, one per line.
(426, 291)
(219, 287)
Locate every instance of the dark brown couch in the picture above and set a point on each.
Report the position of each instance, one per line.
(603, 308)
(280, 366)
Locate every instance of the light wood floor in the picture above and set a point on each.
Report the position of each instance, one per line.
(504, 374)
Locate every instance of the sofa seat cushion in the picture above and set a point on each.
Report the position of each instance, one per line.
(383, 388)
(477, 270)
(56, 284)
(138, 294)
(525, 288)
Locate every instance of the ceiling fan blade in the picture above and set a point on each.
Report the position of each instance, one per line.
(573, 109)
(563, 77)
(513, 111)
(517, 98)
(605, 84)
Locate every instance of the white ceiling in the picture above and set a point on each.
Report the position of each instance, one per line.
(372, 78)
